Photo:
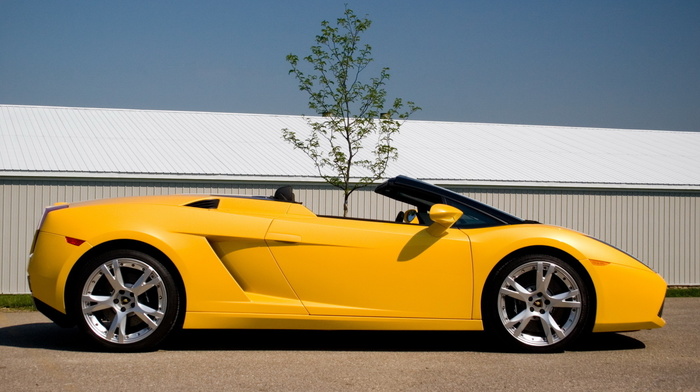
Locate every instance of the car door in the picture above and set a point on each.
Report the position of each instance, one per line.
(346, 267)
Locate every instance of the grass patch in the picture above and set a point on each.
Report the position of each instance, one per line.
(16, 302)
(683, 292)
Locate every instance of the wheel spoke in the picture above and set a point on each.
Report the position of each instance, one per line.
(523, 324)
(519, 292)
(122, 329)
(119, 322)
(145, 313)
(544, 278)
(523, 318)
(118, 272)
(547, 331)
(549, 324)
(516, 319)
(102, 302)
(142, 285)
(115, 280)
(566, 300)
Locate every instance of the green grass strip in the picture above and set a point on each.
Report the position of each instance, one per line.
(17, 301)
(683, 292)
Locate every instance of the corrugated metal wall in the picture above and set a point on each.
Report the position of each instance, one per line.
(660, 228)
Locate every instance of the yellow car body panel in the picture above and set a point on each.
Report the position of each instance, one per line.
(629, 294)
(48, 278)
(208, 283)
(342, 267)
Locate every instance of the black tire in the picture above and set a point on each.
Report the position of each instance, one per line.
(125, 300)
(538, 317)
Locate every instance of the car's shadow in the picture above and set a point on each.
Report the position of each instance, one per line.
(51, 337)
(399, 341)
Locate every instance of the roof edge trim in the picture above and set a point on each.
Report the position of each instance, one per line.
(318, 180)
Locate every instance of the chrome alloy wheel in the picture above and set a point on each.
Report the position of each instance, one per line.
(539, 303)
(124, 300)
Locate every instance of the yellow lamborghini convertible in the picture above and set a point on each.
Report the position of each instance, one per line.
(129, 271)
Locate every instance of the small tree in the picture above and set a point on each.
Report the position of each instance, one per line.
(351, 110)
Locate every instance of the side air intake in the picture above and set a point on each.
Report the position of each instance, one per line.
(209, 204)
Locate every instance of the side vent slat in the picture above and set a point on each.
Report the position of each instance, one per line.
(209, 204)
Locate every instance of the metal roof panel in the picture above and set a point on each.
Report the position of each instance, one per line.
(174, 143)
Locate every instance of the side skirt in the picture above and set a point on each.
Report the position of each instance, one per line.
(211, 320)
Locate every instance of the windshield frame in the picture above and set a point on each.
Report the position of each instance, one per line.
(423, 195)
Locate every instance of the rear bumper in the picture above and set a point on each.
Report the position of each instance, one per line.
(62, 320)
(49, 265)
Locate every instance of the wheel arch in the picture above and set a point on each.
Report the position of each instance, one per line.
(130, 245)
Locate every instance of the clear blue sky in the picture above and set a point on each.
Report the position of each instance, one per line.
(613, 64)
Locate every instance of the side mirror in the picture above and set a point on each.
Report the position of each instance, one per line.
(411, 216)
(443, 217)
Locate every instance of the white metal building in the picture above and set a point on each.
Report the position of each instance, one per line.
(636, 189)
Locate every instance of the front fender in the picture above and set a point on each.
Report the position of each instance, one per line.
(629, 294)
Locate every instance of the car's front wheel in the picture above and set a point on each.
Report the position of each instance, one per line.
(125, 300)
(538, 303)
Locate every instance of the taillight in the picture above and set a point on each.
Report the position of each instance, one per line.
(74, 241)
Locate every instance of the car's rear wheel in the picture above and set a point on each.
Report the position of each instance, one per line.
(125, 300)
(538, 303)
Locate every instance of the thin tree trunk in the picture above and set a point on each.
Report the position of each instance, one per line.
(345, 205)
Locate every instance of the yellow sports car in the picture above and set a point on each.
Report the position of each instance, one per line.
(129, 271)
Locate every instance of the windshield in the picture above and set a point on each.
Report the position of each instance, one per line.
(424, 195)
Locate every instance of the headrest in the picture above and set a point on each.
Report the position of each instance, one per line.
(284, 193)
